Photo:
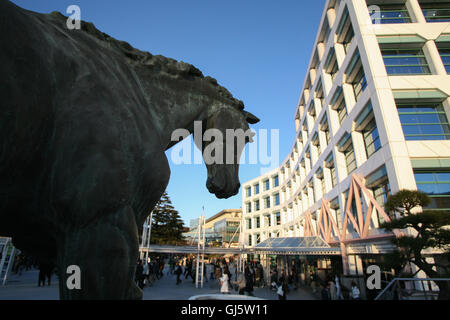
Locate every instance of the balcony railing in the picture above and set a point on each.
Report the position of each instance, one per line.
(391, 16)
(437, 15)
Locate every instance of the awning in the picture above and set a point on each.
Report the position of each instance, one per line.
(296, 246)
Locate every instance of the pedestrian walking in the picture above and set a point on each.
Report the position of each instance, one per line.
(178, 272)
(333, 291)
(355, 291)
(282, 290)
(339, 294)
(249, 280)
(224, 284)
(324, 292)
(241, 283)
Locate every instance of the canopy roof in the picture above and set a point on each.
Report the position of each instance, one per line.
(296, 246)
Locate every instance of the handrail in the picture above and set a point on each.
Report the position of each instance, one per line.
(395, 281)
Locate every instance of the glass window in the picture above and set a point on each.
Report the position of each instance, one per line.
(345, 31)
(424, 121)
(266, 185)
(444, 51)
(249, 224)
(249, 192)
(333, 176)
(249, 207)
(341, 110)
(277, 218)
(391, 13)
(381, 193)
(249, 239)
(258, 222)
(436, 12)
(405, 61)
(275, 181)
(256, 205)
(256, 188)
(277, 199)
(371, 138)
(436, 183)
(350, 160)
(267, 200)
(359, 83)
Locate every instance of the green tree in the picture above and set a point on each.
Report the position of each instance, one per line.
(167, 226)
(430, 233)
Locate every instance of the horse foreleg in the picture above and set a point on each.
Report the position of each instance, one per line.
(106, 252)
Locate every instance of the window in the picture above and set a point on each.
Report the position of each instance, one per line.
(258, 222)
(350, 160)
(345, 31)
(249, 207)
(435, 183)
(381, 193)
(256, 188)
(256, 205)
(371, 138)
(249, 192)
(325, 128)
(436, 12)
(249, 239)
(277, 218)
(405, 61)
(275, 181)
(277, 199)
(334, 205)
(444, 51)
(320, 96)
(391, 13)
(249, 224)
(341, 110)
(423, 121)
(267, 202)
(345, 146)
(331, 65)
(329, 163)
(316, 142)
(266, 185)
(322, 183)
(333, 176)
(359, 83)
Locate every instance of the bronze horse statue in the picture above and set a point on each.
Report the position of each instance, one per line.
(85, 121)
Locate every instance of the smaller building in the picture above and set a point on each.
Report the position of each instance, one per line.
(222, 228)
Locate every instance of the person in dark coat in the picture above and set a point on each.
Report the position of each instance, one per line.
(139, 275)
(178, 272)
(249, 280)
(45, 273)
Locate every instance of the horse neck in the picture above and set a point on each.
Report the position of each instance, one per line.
(180, 115)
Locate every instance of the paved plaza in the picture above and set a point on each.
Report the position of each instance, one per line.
(25, 287)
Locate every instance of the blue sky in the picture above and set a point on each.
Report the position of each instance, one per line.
(259, 50)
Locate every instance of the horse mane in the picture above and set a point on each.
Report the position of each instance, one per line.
(156, 62)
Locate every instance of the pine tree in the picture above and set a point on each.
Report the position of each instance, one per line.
(431, 232)
(167, 226)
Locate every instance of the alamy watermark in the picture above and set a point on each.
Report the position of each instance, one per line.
(74, 20)
(226, 148)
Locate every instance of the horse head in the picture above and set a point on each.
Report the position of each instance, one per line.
(226, 131)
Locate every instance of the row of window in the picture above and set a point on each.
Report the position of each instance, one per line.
(270, 220)
(267, 203)
(266, 184)
(412, 61)
(398, 13)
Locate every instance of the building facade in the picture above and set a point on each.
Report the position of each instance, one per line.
(223, 227)
(372, 119)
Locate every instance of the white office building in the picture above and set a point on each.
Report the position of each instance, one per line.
(372, 119)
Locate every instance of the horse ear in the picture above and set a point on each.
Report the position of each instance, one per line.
(252, 119)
